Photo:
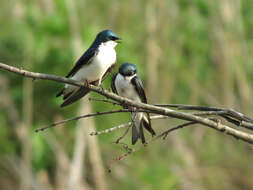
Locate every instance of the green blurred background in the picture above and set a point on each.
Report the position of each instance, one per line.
(188, 52)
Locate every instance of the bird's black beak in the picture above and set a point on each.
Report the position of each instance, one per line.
(118, 40)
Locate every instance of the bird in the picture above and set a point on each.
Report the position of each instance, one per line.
(92, 67)
(127, 84)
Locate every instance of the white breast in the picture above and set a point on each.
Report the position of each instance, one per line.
(105, 58)
(125, 88)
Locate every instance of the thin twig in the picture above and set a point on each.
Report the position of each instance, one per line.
(80, 117)
(208, 113)
(165, 134)
(132, 150)
(247, 125)
(85, 116)
(124, 125)
(190, 107)
(122, 136)
(110, 129)
(104, 100)
(152, 118)
(229, 114)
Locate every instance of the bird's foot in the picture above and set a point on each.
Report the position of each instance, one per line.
(145, 144)
(132, 109)
(102, 88)
(86, 83)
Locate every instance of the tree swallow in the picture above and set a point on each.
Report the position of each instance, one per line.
(92, 67)
(126, 83)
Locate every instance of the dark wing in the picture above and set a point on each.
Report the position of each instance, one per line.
(80, 92)
(109, 70)
(113, 83)
(76, 95)
(136, 81)
(85, 59)
(147, 125)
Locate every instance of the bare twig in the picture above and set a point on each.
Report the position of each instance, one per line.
(80, 117)
(190, 107)
(122, 136)
(123, 126)
(104, 100)
(230, 115)
(151, 108)
(152, 118)
(132, 150)
(165, 134)
(110, 129)
(207, 108)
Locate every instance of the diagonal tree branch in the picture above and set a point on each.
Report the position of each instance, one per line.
(151, 108)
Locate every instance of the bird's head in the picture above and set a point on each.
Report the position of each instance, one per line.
(107, 35)
(128, 69)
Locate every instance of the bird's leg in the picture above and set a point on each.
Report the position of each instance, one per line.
(102, 88)
(132, 109)
(100, 84)
(86, 83)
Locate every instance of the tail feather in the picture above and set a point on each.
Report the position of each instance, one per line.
(60, 93)
(137, 129)
(148, 127)
(135, 134)
(142, 137)
(140, 121)
(67, 95)
(74, 96)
